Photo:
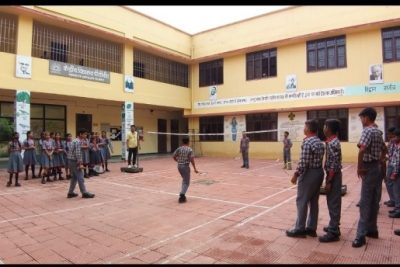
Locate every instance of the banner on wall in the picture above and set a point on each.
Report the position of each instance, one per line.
(127, 119)
(22, 117)
(233, 127)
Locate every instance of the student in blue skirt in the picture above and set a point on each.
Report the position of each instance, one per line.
(105, 148)
(47, 157)
(29, 154)
(40, 150)
(59, 162)
(15, 164)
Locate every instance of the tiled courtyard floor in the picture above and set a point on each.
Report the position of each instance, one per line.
(233, 215)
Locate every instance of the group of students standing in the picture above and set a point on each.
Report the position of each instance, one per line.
(376, 162)
(52, 155)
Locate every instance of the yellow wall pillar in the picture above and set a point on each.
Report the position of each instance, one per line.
(24, 36)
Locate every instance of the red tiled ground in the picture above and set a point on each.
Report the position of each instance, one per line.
(233, 215)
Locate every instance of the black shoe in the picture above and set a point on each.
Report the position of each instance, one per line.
(87, 195)
(358, 204)
(395, 214)
(296, 233)
(329, 237)
(242, 166)
(182, 198)
(311, 233)
(107, 170)
(34, 177)
(71, 195)
(60, 178)
(326, 229)
(358, 242)
(8, 184)
(17, 184)
(86, 176)
(397, 232)
(392, 211)
(373, 234)
(389, 202)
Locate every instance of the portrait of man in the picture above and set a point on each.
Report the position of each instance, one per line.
(129, 84)
(23, 67)
(376, 73)
(291, 82)
(213, 92)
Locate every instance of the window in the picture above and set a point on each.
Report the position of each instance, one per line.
(391, 44)
(262, 121)
(49, 42)
(392, 118)
(211, 73)
(160, 69)
(212, 125)
(49, 118)
(261, 64)
(329, 53)
(8, 33)
(322, 115)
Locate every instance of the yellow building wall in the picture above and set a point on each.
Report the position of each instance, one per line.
(286, 24)
(126, 23)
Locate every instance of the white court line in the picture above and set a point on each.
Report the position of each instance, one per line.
(64, 210)
(265, 167)
(233, 228)
(198, 226)
(175, 194)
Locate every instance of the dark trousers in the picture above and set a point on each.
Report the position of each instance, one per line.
(308, 186)
(184, 170)
(132, 152)
(371, 187)
(334, 201)
(245, 157)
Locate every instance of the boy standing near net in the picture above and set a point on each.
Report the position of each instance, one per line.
(244, 149)
(184, 155)
(287, 145)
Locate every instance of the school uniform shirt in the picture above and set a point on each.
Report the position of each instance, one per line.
(131, 140)
(312, 152)
(371, 139)
(184, 154)
(75, 151)
(287, 144)
(333, 158)
(244, 144)
(391, 147)
(394, 160)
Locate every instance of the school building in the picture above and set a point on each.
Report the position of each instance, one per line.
(271, 72)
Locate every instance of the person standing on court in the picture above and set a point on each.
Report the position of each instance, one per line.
(184, 155)
(244, 149)
(76, 167)
(372, 150)
(132, 143)
(333, 180)
(309, 174)
(287, 145)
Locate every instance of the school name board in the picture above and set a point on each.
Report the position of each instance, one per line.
(78, 72)
(384, 88)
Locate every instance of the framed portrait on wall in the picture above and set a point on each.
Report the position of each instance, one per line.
(115, 134)
(375, 73)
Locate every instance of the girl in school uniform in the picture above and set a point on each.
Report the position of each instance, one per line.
(47, 157)
(59, 161)
(29, 154)
(95, 156)
(40, 150)
(85, 155)
(15, 163)
(105, 148)
(68, 144)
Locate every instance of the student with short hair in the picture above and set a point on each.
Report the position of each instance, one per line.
(372, 150)
(183, 155)
(309, 174)
(333, 180)
(244, 149)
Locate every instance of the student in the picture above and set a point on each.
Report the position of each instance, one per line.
(75, 162)
(105, 148)
(287, 145)
(59, 161)
(184, 155)
(15, 163)
(29, 155)
(85, 155)
(394, 164)
(310, 175)
(94, 155)
(68, 143)
(47, 157)
(333, 181)
(372, 150)
(40, 150)
(389, 169)
(132, 143)
(244, 149)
